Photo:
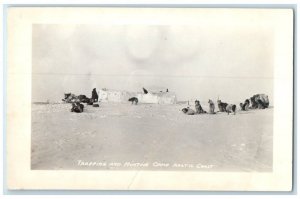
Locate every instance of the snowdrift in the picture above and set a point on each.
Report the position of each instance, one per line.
(123, 96)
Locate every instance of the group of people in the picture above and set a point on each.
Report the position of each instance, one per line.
(258, 101)
(77, 101)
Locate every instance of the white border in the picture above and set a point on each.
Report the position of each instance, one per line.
(21, 177)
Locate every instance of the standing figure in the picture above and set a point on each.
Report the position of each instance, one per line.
(145, 91)
(94, 95)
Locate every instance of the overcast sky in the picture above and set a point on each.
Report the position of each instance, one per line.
(195, 62)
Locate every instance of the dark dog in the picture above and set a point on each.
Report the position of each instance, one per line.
(198, 107)
(222, 106)
(70, 98)
(254, 104)
(260, 101)
(96, 105)
(82, 98)
(245, 106)
(241, 105)
(89, 101)
(133, 100)
(77, 107)
(184, 110)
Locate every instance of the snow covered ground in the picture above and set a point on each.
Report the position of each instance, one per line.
(120, 136)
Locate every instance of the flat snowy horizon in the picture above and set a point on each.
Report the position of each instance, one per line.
(121, 136)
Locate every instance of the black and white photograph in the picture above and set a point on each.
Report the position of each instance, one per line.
(157, 90)
(152, 97)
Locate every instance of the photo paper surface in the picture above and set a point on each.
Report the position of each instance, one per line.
(138, 98)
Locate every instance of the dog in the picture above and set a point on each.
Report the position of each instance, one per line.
(188, 111)
(260, 101)
(254, 104)
(198, 107)
(211, 107)
(241, 106)
(89, 101)
(77, 107)
(222, 106)
(83, 98)
(184, 110)
(245, 106)
(133, 100)
(71, 98)
(96, 105)
(231, 108)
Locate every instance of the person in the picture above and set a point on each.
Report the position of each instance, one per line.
(94, 95)
(145, 91)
